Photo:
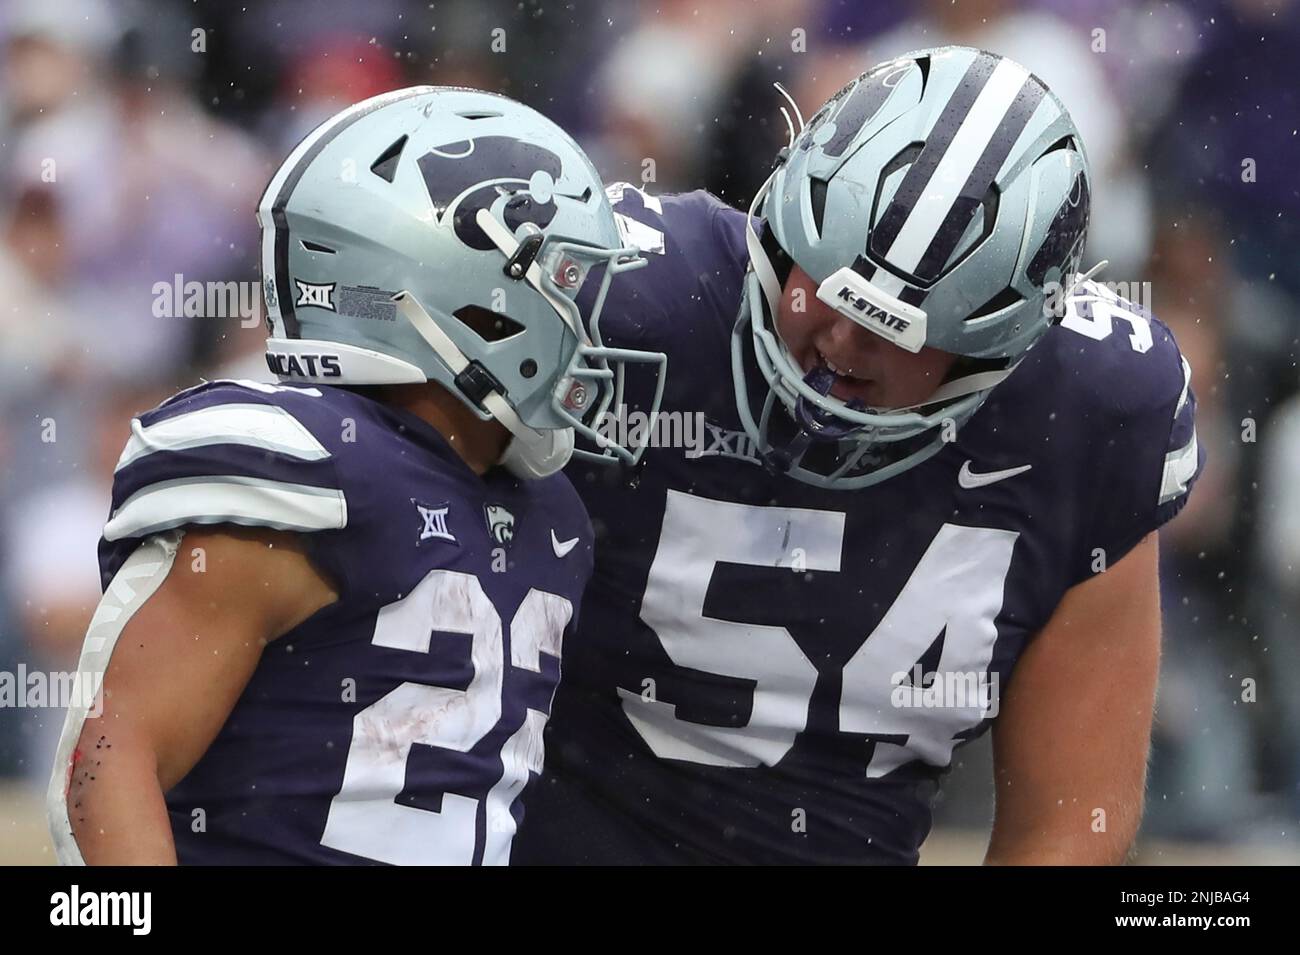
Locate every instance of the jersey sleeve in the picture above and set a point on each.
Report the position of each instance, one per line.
(694, 247)
(1142, 453)
(224, 453)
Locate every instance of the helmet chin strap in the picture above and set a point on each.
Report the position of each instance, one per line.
(758, 259)
(961, 387)
(530, 453)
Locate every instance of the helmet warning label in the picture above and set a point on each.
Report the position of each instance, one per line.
(363, 301)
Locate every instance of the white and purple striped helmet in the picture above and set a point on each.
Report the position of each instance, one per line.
(938, 200)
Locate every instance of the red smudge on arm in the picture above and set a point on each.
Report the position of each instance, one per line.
(72, 765)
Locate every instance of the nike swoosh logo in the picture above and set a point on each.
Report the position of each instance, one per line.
(560, 547)
(970, 479)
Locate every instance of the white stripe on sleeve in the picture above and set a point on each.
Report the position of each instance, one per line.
(268, 427)
(228, 499)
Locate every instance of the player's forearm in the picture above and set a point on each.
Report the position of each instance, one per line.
(115, 804)
(1059, 845)
(1044, 854)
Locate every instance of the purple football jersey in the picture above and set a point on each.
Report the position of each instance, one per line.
(768, 671)
(401, 723)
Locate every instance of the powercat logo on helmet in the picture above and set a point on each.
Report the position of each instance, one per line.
(471, 174)
(853, 296)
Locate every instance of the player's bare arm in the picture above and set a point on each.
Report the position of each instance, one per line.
(1071, 741)
(178, 668)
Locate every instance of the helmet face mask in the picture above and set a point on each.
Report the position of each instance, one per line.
(936, 200)
(440, 234)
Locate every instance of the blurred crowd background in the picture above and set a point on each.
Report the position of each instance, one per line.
(136, 137)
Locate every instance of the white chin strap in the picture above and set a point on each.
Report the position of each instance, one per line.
(961, 387)
(531, 453)
(758, 259)
(539, 457)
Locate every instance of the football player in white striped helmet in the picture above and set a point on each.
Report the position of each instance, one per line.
(943, 462)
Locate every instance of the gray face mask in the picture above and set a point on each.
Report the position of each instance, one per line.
(593, 381)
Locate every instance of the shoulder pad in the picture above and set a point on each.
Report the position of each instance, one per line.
(227, 452)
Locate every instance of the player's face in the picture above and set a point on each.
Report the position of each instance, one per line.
(867, 367)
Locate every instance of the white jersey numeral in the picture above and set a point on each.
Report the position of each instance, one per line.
(364, 817)
(1093, 313)
(697, 534)
(956, 589)
(633, 233)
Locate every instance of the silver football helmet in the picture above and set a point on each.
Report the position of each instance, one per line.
(443, 234)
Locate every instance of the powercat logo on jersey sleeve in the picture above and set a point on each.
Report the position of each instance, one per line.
(500, 523)
(850, 294)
